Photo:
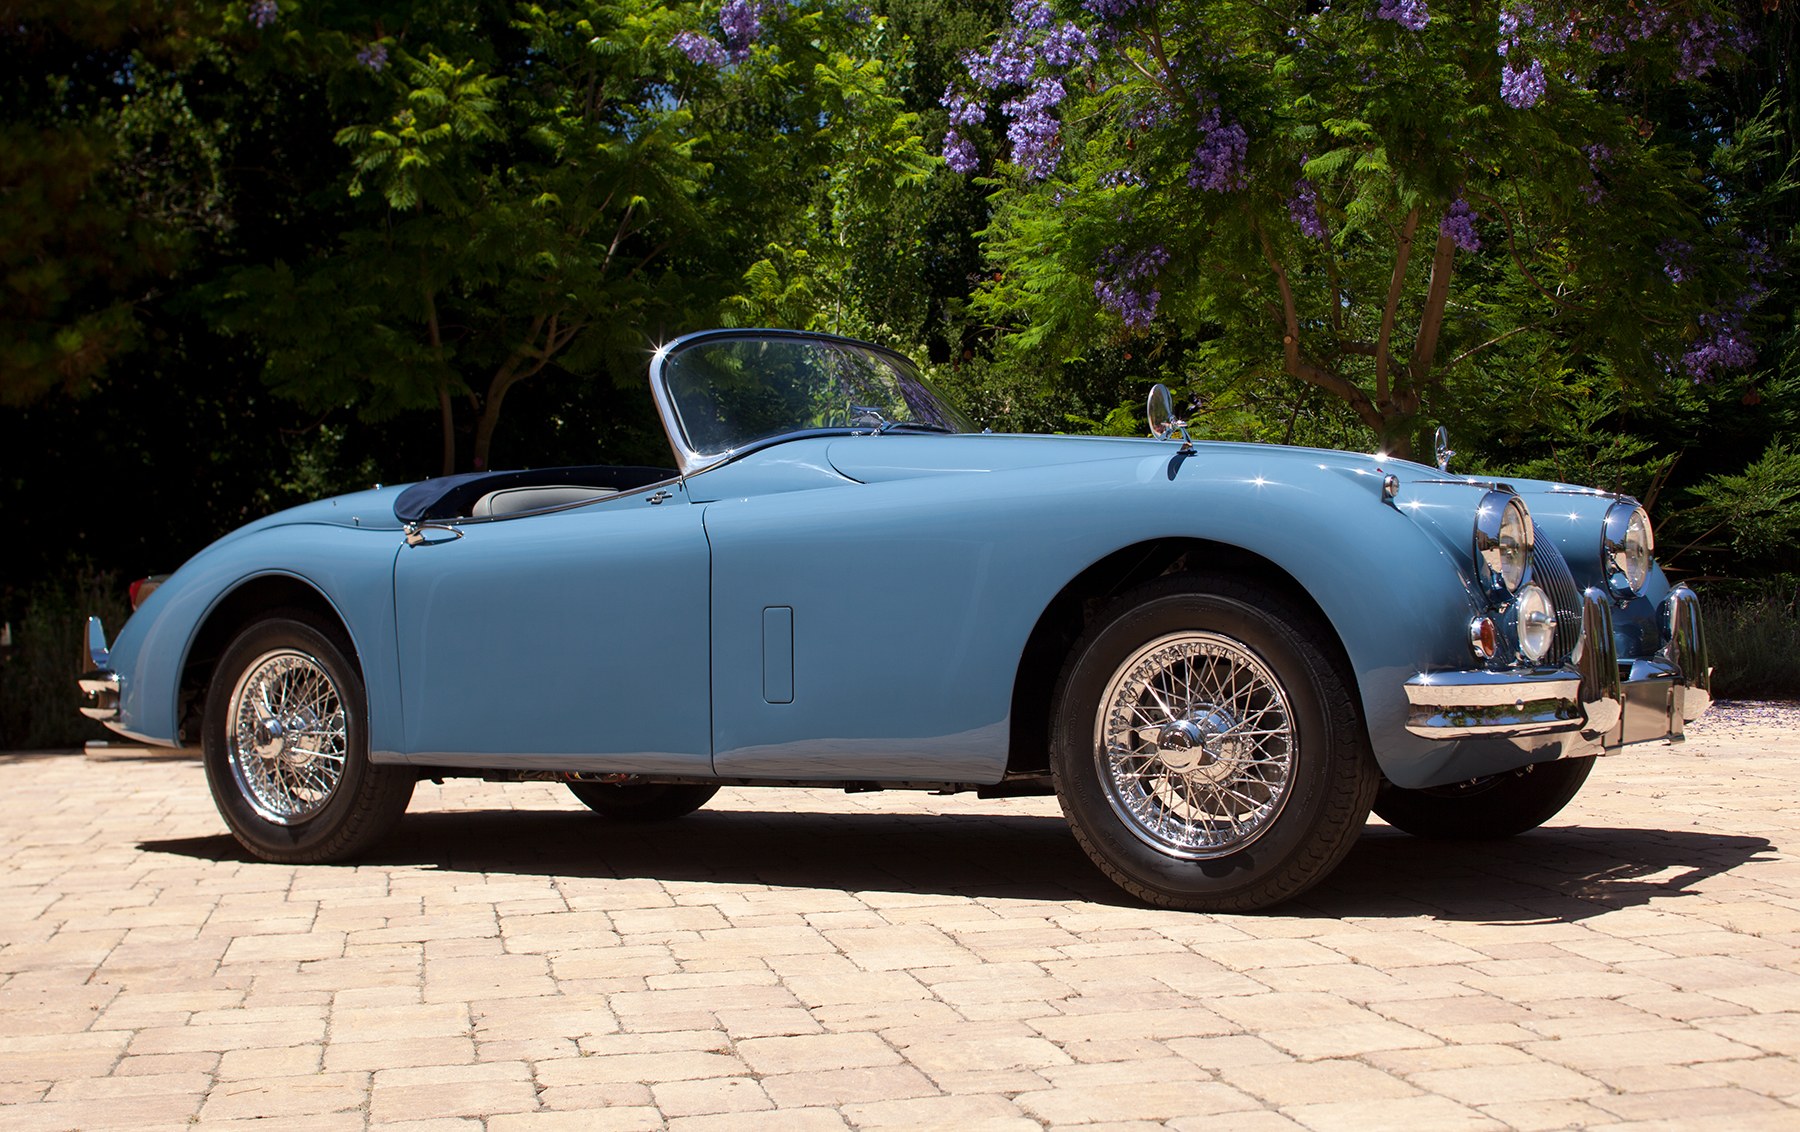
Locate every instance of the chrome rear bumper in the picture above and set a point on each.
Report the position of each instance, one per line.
(1595, 704)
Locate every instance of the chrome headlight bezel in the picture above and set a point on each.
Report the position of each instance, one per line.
(1534, 622)
(1503, 544)
(1627, 548)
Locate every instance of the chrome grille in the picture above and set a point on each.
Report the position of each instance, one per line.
(1550, 571)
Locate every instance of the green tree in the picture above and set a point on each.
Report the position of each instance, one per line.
(1378, 200)
(551, 188)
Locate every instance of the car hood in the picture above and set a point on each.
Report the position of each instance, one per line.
(877, 459)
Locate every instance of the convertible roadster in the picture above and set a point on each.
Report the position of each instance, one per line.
(1218, 656)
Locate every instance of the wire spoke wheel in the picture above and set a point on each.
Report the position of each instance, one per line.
(1195, 743)
(1206, 745)
(286, 744)
(288, 736)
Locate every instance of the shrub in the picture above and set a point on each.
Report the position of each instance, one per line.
(1753, 639)
(39, 702)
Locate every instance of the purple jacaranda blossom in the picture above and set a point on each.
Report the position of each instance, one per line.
(1303, 210)
(263, 13)
(1597, 154)
(1152, 115)
(959, 153)
(1032, 51)
(1697, 46)
(1459, 224)
(1723, 344)
(1677, 256)
(741, 21)
(1116, 9)
(1124, 283)
(1522, 88)
(701, 49)
(965, 109)
(374, 57)
(1218, 162)
(1409, 14)
(1118, 178)
(1034, 132)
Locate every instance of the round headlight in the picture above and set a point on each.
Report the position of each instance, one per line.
(1502, 543)
(1627, 549)
(1535, 621)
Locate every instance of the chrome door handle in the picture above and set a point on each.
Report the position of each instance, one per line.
(415, 533)
(659, 497)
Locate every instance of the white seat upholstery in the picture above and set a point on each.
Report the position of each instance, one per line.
(513, 500)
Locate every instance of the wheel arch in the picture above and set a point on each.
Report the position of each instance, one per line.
(236, 609)
(1063, 620)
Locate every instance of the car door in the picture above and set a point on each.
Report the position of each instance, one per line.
(572, 639)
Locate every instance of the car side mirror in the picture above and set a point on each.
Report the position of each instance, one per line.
(1160, 409)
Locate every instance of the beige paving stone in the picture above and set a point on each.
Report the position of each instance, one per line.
(1355, 1039)
(1156, 1101)
(1315, 1082)
(282, 1097)
(816, 1052)
(279, 1061)
(1425, 1114)
(431, 1092)
(643, 1068)
(768, 1022)
(789, 1120)
(847, 1086)
(712, 1095)
(980, 1110)
(1235, 1050)
(1692, 1106)
(614, 1119)
(1644, 1047)
(397, 1053)
(1192, 1021)
(1512, 1081)
(1769, 1033)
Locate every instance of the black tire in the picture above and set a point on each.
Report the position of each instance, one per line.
(286, 745)
(648, 801)
(1487, 809)
(1266, 722)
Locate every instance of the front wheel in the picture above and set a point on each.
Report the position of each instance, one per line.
(1501, 805)
(642, 801)
(286, 746)
(1207, 753)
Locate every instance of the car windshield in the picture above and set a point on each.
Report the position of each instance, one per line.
(729, 392)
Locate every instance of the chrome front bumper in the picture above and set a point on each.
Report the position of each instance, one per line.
(1595, 704)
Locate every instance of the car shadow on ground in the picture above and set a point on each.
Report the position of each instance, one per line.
(1555, 874)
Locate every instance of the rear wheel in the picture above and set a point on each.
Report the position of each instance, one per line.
(648, 801)
(286, 746)
(1208, 754)
(1486, 809)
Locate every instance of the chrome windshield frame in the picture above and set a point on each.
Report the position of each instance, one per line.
(690, 460)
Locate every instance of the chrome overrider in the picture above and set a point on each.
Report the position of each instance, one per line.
(99, 684)
(1594, 704)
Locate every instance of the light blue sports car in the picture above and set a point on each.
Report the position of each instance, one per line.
(1219, 657)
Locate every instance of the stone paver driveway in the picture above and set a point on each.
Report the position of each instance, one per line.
(806, 960)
